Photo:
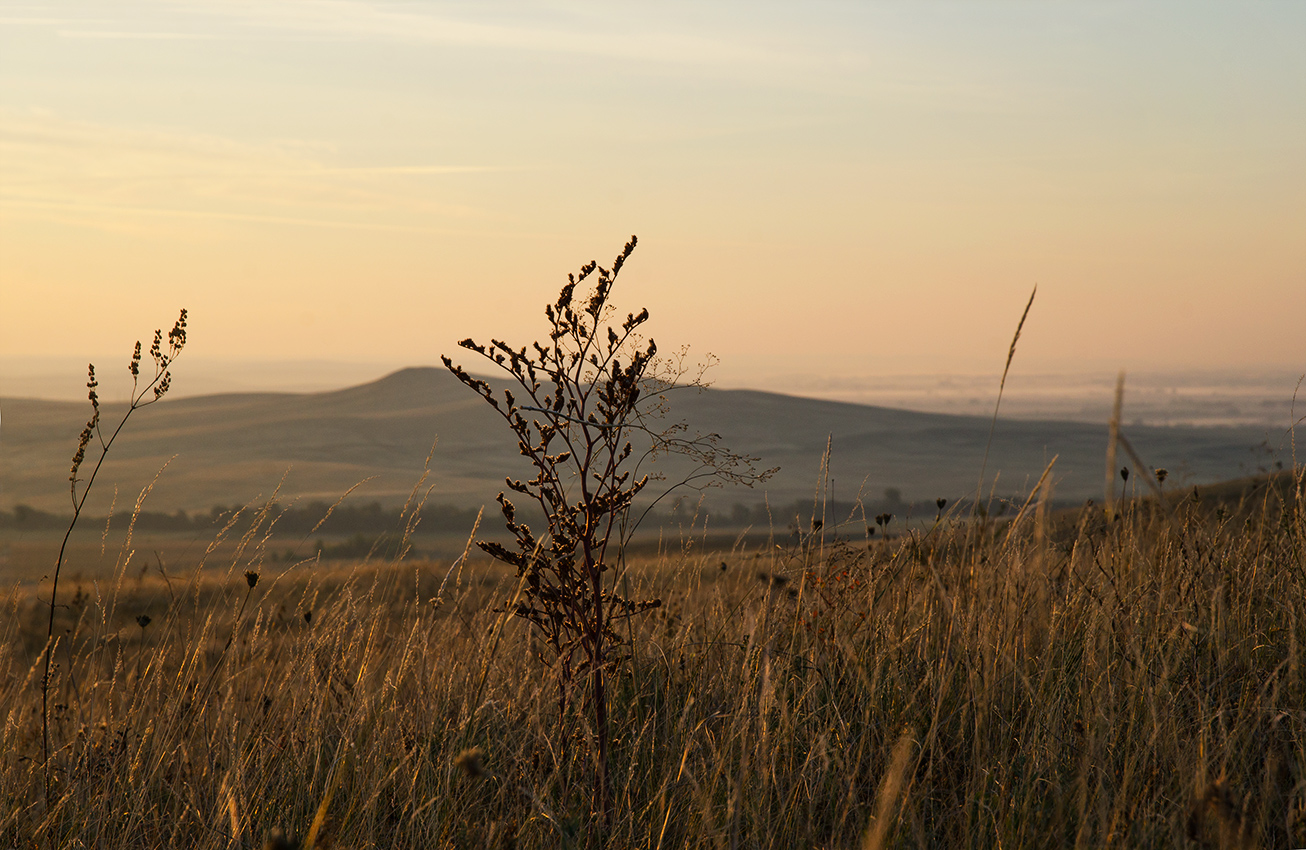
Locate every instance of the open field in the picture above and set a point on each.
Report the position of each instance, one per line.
(28, 557)
(1057, 680)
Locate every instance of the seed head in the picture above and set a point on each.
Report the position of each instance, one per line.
(177, 336)
(91, 384)
(251, 578)
(83, 441)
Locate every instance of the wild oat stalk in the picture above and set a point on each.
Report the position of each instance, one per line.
(1011, 353)
(144, 396)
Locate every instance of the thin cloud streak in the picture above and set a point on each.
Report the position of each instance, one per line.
(782, 59)
(353, 20)
(103, 210)
(874, 72)
(48, 160)
(120, 35)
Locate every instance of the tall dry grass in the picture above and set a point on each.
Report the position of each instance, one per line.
(1056, 681)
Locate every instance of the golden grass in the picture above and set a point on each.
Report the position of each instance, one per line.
(1049, 684)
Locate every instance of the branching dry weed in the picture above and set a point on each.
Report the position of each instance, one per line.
(577, 406)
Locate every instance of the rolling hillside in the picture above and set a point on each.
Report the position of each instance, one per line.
(229, 449)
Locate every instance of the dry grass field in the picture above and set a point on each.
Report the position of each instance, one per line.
(1056, 680)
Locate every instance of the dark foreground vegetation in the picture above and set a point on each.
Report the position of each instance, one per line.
(1051, 681)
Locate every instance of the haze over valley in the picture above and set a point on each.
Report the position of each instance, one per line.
(229, 449)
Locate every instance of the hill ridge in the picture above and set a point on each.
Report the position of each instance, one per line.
(233, 447)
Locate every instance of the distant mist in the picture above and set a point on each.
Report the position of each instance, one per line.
(1227, 398)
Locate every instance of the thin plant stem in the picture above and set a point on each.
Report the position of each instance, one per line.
(158, 387)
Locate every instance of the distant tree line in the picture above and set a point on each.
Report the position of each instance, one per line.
(345, 519)
(800, 513)
(368, 520)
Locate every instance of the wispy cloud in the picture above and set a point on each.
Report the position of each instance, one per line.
(575, 33)
(756, 46)
(134, 35)
(514, 27)
(89, 212)
(360, 171)
(48, 163)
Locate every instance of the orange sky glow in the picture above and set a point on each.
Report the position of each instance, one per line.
(824, 190)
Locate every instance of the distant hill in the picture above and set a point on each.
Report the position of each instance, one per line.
(232, 448)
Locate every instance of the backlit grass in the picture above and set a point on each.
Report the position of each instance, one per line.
(1059, 681)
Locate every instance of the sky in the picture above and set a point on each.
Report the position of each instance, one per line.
(822, 191)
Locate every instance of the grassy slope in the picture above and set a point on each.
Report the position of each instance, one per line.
(1074, 684)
